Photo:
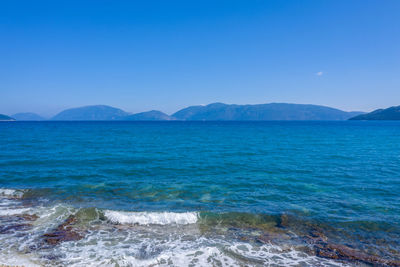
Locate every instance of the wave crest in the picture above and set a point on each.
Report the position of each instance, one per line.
(146, 218)
(11, 193)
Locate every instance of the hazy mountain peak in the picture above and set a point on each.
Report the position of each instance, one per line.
(217, 104)
(391, 113)
(152, 115)
(27, 116)
(92, 113)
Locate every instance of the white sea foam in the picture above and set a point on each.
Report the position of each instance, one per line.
(134, 249)
(16, 259)
(147, 218)
(10, 211)
(11, 193)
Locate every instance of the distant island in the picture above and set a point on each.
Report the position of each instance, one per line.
(211, 112)
(91, 113)
(261, 112)
(6, 118)
(392, 113)
(27, 116)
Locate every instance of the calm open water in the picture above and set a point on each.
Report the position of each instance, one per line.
(199, 193)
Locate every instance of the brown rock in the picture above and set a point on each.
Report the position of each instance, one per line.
(64, 232)
(341, 252)
(318, 235)
(28, 217)
(283, 220)
(271, 237)
(62, 236)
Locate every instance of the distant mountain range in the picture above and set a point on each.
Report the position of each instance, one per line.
(211, 112)
(392, 113)
(261, 112)
(215, 112)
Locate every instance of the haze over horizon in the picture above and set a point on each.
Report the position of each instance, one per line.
(170, 55)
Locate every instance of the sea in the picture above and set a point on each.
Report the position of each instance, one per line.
(175, 193)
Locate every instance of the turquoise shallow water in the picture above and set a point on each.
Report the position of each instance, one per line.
(342, 176)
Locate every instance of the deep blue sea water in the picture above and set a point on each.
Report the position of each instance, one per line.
(254, 193)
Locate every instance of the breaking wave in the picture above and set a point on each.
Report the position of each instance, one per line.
(11, 193)
(148, 218)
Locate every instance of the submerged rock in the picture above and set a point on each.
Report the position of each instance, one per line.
(14, 227)
(28, 217)
(20, 222)
(266, 238)
(342, 252)
(74, 227)
(64, 232)
(283, 221)
(324, 249)
(315, 237)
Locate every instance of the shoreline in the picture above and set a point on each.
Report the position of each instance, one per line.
(283, 234)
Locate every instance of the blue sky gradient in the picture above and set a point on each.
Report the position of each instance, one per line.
(165, 55)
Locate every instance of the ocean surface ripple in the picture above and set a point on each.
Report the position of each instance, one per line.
(200, 193)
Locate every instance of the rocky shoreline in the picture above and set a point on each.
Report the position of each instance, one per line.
(308, 238)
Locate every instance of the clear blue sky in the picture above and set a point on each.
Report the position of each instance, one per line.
(142, 55)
